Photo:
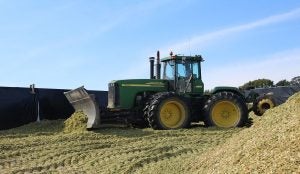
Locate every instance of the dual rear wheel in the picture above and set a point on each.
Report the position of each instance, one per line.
(169, 111)
(225, 109)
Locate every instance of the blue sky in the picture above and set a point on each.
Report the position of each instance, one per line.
(69, 43)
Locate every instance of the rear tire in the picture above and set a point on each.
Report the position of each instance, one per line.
(225, 109)
(168, 111)
(262, 104)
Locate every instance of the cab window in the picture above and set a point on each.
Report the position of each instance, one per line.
(168, 70)
(196, 73)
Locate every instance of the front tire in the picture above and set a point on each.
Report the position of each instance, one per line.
(168, 111)
(225, 109)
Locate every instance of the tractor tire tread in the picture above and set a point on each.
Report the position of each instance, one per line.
(225, 95)
(153, 106)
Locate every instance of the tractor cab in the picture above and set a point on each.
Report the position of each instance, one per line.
(183, 73)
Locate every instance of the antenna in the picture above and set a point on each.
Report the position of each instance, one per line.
(190, 46)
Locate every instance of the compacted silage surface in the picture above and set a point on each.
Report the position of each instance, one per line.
(65, 147)
(270, 145)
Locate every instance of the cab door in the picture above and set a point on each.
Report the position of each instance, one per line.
(188, 77)
(197, 83)
(184, 76)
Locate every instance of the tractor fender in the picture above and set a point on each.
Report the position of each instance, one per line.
(229, 89)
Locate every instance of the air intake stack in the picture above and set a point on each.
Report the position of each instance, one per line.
(158, 65)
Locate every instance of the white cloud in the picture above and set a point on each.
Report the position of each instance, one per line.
(200, 41)
(278, 66)
(253, 69)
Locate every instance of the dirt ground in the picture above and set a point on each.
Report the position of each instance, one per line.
(270, 145)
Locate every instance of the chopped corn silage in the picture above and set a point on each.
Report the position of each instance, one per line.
(107, 150)
(271, 145)
(76, 123)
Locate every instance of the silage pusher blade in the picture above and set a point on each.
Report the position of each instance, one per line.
(82, 101)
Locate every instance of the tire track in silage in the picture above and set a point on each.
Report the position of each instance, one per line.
(118, 151)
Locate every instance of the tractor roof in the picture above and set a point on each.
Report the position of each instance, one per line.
(182, 57)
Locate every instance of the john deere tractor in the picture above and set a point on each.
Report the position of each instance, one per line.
(172, 99)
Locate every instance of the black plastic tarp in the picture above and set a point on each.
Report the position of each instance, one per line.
(20, 106)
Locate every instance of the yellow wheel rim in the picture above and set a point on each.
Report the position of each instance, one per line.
(172, 114)
(264, 105)
(225, 114)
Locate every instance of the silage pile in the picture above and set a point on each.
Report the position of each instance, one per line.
(76, 123)
(271, 145)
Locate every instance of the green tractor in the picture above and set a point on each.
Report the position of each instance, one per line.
(172, 99)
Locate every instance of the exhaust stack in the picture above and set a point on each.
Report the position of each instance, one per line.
(158, 65)
(151, 67)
